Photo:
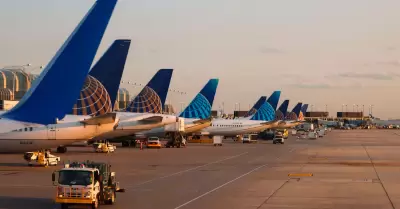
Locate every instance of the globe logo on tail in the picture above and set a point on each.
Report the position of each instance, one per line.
(147, 101)
(93, 100)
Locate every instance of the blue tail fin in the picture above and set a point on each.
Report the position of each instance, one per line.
(201, 105)
(101, 87)
(256, 106)
(294, 115)
(281, 112)
(274, 99)
(64, 75)
(265, 113)
(304, 109)
(152, 97)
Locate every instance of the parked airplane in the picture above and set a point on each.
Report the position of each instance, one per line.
(34, 122)
(197, 115)
(292, 119)
(263, 118)
(145, 111)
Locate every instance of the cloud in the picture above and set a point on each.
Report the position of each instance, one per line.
(270, 50)
(391, 48)
(372, 76)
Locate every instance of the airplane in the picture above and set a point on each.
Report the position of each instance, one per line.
(197, 115)
(33, 123)
(144, 112)
(263, 118)
(292, 119)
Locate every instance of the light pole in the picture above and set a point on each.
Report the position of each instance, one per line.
(353, 106)
(342, 108)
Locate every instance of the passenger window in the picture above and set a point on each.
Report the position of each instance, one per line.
(30, 129)
(26, 129)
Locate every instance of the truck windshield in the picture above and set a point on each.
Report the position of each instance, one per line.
(75, 177)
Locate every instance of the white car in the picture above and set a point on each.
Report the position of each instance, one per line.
(312, 135)
(278, 138)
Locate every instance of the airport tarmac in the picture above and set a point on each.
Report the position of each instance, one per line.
(344, 169)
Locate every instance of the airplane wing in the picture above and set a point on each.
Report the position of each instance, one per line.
(102, 119)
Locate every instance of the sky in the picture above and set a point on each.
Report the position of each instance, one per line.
(321, 52)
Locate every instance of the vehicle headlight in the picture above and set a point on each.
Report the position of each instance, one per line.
(88, 194)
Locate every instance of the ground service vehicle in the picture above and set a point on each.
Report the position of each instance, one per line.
(278, 138)
(217, 140)
(285, 133)
(43, 158)
(104, 147)
(89, 183)
(153, 142)
(249, 138)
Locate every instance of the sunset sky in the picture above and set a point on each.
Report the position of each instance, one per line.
(316, 51)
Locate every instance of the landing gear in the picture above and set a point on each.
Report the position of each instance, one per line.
(61, 149)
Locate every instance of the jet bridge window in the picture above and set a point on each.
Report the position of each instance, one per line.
(30, 129)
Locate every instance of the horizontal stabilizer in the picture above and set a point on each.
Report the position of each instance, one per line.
(270, 122)
(102, 119)
(202, 121)
(152, 119)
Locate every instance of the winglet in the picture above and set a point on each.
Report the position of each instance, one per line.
(152, 97)
(201, 105)
(274, 99)
(65, 74)
(110, 67)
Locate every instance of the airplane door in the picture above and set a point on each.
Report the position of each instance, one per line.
(51, 132)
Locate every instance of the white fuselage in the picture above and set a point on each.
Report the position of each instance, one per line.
(226, 127)
(190, 127)
(16, 136)
(131, 123)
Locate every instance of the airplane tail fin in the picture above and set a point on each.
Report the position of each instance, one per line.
(295, 114)
(265, 113)
(66, 72)
(152, 97)
(256, 106)
(282, 111)
(101, 86)
(274, 99)
(304, 109)
(201, 105)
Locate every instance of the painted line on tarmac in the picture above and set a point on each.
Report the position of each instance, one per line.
(25, 186)
(187, 170)
(219, 187)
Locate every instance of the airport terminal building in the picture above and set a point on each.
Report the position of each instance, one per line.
(15, 82)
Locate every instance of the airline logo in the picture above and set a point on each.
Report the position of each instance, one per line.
(265, 113)
(301, 116)
(94, 99)
(279, 115)
(147, 101)
(291, 116)
(198, 108)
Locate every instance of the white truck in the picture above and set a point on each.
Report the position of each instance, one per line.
(87, 183)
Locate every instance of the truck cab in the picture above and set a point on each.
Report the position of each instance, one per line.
(85, 183)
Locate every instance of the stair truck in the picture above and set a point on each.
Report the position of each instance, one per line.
(88, 183)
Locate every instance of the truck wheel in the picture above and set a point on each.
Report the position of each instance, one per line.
(95, 205)
(111, 201)
(64, 206)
